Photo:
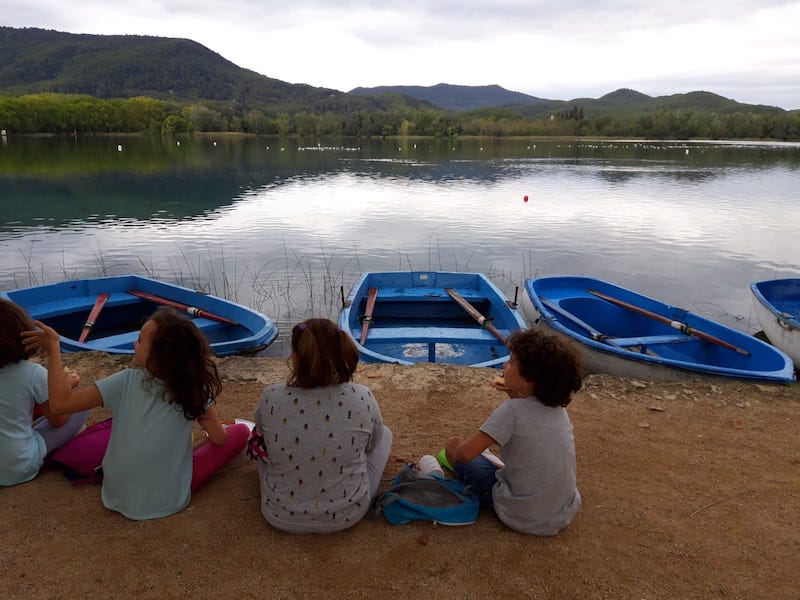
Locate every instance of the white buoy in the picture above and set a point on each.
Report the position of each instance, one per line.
(215, 143)
(119, 148)
(179, 142)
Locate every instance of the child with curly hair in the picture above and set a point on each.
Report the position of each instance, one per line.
(535, 490)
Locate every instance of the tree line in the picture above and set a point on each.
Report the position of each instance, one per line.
(82, 115)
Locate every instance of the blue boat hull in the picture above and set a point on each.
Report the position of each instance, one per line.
(621, 341)
(415, 320)
(777, 306)
(66, 306)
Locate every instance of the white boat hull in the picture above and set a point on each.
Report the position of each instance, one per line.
(780, 332)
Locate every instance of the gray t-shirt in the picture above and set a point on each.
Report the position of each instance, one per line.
(315, 476)
(536, 491)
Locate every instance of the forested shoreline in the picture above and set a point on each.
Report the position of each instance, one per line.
(50, 113)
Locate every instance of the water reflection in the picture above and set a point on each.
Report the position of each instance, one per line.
(283, 224)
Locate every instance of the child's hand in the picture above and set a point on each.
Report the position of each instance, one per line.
(499, 383)
(44, 339)
(450, 448)
(73, 379)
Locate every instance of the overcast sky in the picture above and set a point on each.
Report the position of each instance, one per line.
(748, 50)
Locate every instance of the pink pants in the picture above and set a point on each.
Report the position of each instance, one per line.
(208, 458)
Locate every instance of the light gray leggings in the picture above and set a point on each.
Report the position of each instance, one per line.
(55, 437)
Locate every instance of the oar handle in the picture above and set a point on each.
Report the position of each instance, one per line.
(485, 322)
(192, 310)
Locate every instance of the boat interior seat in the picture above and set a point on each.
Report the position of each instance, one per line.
(121, 341)
(443, 335)
(650, 340)
(412, 294)
(64, 306)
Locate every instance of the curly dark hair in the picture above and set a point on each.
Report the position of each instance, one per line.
(180, 355)
(324, 355)
(13, 321)
(552, 363)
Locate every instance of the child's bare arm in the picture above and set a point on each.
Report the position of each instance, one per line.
(215, 430)
(460, 450)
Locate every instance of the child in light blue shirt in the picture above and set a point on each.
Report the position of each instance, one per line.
(24, 443)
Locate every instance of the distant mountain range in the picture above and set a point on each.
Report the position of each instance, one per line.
(114, 66)
(461, 98)
(454, 97)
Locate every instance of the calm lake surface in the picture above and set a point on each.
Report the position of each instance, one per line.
(284, 225)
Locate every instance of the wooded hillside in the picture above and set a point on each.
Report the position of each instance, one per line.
(55, 82)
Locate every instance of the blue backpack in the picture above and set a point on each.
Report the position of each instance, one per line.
(417, 496)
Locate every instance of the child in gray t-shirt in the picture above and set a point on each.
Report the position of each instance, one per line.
(535, 490)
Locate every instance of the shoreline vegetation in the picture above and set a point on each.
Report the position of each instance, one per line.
(691, 490)
(78, 114)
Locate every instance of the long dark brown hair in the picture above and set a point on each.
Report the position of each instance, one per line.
(13, 321)
(551, 363)
(323, 355)
(181, 356)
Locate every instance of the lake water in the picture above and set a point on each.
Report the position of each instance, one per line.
(285, 225)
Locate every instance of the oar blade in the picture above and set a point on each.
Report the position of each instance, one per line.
(93, 314)
(372, 294)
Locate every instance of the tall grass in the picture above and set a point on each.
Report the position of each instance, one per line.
(288, 287)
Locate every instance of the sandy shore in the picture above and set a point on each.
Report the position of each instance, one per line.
(690, 491)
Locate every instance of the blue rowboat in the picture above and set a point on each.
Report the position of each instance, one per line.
(429, 316)
(624, 333)
(777, 306)
(109, 311)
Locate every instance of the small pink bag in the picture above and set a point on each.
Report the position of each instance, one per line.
(81, 457)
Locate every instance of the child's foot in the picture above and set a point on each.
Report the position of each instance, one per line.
(492, 458)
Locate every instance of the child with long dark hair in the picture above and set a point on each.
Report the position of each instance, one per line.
(535, 490)
(25, 443)
(149, 470)
(325, 442)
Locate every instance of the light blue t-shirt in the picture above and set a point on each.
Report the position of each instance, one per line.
(22, 450)
(147, 469)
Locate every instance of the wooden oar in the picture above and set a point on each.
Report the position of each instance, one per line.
(593, 333)
(195, 312)
(93, 314)
(682, 327)
(366, 319)
(476, 314)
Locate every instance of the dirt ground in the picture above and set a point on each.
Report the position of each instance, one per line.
(691, 490)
